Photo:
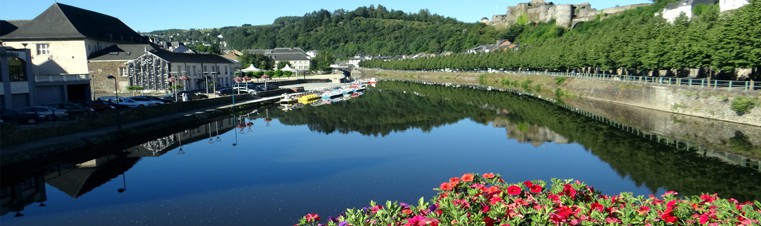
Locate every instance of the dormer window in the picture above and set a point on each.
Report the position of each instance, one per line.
(43, 49)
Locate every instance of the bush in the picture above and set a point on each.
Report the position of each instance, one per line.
(743, 105)
(487, 200)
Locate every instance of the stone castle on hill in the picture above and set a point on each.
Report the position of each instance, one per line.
(564, 15)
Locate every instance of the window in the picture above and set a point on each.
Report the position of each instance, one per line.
(17, 70)
(123, 71)
(43, 49)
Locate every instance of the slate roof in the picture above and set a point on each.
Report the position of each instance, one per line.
(122, 52)
(8, 26)
(288, 56)
(194, 58)
(133, 51)
(61, 21)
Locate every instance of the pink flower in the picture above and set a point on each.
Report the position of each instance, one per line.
(707, 198)
(514, 190)
(312, 217)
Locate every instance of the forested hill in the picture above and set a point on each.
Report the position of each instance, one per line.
(373, 30)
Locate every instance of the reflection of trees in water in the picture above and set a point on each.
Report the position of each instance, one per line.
(741, 143)
(648, 163)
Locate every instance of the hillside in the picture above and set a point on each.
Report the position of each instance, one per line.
(372, 30)
(711, 44)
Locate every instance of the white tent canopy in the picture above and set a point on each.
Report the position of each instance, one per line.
(288, 68)
(251, 68)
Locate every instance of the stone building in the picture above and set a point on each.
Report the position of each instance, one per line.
(564, 15)
(296, 57)
(150, 67)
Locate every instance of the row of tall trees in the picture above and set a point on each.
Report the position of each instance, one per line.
(639, 41)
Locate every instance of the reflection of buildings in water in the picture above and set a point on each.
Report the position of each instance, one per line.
(77, 179)
(162, 145)
(86, 176)
(17, 196)
(527, 133)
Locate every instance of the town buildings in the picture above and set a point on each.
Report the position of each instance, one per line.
(72, 51)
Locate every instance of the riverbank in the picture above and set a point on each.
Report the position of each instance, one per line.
(711, 103)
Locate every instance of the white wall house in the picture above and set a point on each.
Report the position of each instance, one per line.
(674, 10)
(726, 5)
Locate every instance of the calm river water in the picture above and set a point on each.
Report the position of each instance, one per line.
(396, 142)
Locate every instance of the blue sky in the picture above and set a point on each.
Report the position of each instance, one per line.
(150, 15)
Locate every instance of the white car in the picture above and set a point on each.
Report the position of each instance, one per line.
(244, 90)
(126, 101)
(44, 112)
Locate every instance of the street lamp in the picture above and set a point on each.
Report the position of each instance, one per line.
(116, 91)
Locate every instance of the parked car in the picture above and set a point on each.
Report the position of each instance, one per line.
(146, 99)
(44, 112)
(95, 105)
(191, 95)
(225, 91)
(244, 90)
(70, 108)
(126, 101)
(12, 116)
(261, 87)
(155, 98)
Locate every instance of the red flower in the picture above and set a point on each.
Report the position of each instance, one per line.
(488, 175)
(707, 198)
(312, 217)
(454, 180)
(704, 218)
(643, 210)
(596, 206)
(514, 190)
(445, 186)
(488, 221)
(536, 189)
(495, 199)
(569, 191)
(492, 190)
(668, 218)
(670, 205)
(528, 184)
(468, 177)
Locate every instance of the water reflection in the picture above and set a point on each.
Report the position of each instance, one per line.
(269, 167)
(77, 178)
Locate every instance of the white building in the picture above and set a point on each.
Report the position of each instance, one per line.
(674, 10)
(726, 5)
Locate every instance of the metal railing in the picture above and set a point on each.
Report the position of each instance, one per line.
(62, 78)
(690, 82)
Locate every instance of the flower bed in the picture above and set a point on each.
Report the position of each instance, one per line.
(486, 199)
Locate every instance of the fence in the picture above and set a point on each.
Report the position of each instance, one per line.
(690, 82)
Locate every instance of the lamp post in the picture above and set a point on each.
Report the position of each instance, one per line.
(124, 184)
(116, 91)
(237, 81)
